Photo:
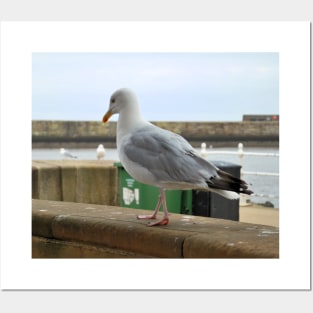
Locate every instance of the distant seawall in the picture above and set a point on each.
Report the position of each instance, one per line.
(84, 134)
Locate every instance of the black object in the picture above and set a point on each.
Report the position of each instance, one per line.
(210, 204)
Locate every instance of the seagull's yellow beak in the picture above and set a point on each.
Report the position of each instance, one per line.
(107, 116)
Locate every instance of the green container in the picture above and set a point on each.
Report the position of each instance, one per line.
(136, 195)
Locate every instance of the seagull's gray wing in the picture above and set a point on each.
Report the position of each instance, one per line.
(171, 159)
(168, 156)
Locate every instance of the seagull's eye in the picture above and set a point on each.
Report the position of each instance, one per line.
(113, 100)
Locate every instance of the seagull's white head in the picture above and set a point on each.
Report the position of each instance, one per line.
(121, 99)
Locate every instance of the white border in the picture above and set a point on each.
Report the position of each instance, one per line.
(20, 39)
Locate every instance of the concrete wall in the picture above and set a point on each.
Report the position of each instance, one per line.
(68, 222)
(75, 181)
(49, 133)
(77, 230)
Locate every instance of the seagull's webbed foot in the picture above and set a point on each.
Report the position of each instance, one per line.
(163, 221)
(146, 217)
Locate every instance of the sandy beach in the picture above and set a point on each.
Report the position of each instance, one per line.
(258, 214)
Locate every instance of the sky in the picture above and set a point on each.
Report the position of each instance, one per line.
(169, 86)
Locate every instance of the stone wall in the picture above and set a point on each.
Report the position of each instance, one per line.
(75, 181)
(75, 214)
(78, 230)
(84, 134)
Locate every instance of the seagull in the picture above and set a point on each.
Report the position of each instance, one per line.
(161, 158)
(100, 152)
(203, 151)
(67, 154)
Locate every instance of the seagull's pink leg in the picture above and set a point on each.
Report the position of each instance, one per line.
(165, 219)
(152, 216)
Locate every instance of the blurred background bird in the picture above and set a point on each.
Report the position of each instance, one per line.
(66, 154)
(100, 152)
(203, 152)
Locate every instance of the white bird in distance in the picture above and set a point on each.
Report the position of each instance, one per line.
(67, 154)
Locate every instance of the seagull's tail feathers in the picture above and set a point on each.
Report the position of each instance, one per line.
(228, 185)
(231, 195)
